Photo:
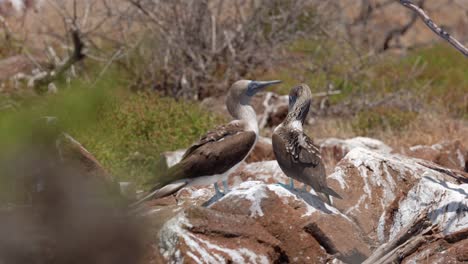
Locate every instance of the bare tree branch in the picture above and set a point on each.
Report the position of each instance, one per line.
(76, 56)
(434, 27)
(400, 31)
(201, 45)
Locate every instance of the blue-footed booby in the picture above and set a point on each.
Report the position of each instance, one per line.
(219, 151)
(295, 152)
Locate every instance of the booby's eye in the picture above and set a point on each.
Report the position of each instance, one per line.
(252, 88)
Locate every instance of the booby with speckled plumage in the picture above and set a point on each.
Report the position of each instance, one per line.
(219, 151)
(295, 152)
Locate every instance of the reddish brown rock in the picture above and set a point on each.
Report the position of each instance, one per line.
(277, 115)
(334, 149)
(204, 235)
(262, 151)
(441, 250)
(266, 171)
(73, 153)
(303, 220)
(339, 236)
(381, 192)
(450, 154)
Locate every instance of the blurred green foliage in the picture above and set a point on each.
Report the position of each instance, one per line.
(125, 131)
(436, 77)
(129, 136)
(381, 118)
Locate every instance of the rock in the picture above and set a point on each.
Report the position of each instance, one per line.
(382, 192)
(267, 172)
(262, 223)
(277, 115)
(450, 154)
(442, 250)
(73, 153)
(262, 151)
(446, 203)
(298, 218)
(334, 149)
(201, 235)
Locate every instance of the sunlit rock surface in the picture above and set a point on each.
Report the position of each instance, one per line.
(450, 154)
(262, 222)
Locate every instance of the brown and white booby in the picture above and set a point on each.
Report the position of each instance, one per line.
(295, 152)
(219, 151)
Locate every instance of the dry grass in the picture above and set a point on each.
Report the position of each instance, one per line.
(426, 129)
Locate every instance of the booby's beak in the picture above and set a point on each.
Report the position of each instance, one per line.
(256, 86)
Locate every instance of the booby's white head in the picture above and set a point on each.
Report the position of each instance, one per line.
(239, 96)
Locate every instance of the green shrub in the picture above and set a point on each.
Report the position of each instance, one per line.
(381, 118)
(130, 134)
(126, 131)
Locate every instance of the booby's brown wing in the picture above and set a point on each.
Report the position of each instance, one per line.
(217, 151)
(305, 153)
(219, 133)
(302, 149)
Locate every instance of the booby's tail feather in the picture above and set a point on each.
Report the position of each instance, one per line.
(161, 192)
(330, 191)
(325, 198)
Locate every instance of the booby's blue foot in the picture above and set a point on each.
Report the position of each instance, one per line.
(226, 187)
(216, 187)
(289, 186)
(304, 188)
(218, 195)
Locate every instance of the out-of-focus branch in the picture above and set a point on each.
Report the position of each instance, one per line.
(400, 31)
(77, 55)
(434, 27)
(202, 45)
(5, 25)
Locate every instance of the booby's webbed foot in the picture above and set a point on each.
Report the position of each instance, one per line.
(218, 195)
(216, 187)
(289, 186)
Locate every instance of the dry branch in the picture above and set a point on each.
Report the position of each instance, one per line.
(400, 31)
(6, 27)
(203, 45)
(434, 27)
(76, 56)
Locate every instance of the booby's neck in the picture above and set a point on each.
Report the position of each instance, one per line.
(246, 113)
(242, 110)
(297, 115)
